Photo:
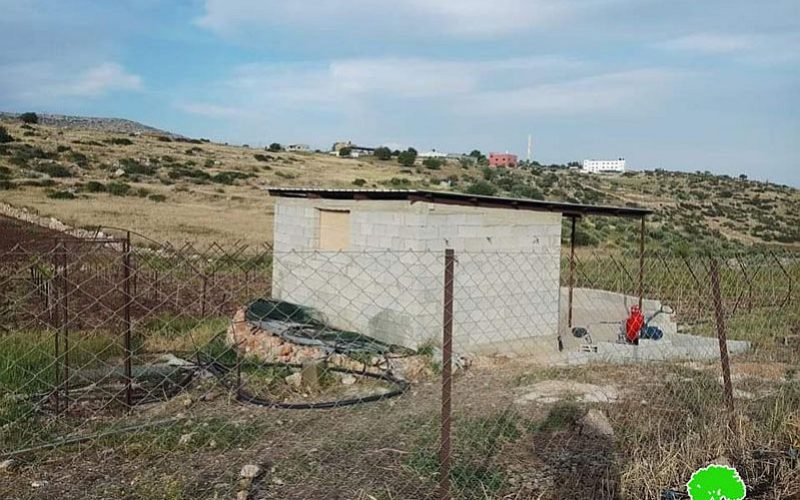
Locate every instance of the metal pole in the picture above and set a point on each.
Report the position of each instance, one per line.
(641, 265)
(723, 341)
(447, 376)
(571, 269)
(126, 319)
(56, 317)
(65, 321)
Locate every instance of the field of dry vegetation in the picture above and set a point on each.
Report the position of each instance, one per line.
(180, 190)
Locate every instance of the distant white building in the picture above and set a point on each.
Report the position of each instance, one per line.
(298, 147)
(432, 154)
(603, 166)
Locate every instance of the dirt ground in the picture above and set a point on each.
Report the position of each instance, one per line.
(387, 450)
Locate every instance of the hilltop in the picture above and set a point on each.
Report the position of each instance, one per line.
(111, 125)
(90, 172)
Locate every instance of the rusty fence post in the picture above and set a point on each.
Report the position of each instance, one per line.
(641, 264)
(571, 270)
(65, 320)
(126, 318)
(56, 319)
(723, 341)
(447, 377)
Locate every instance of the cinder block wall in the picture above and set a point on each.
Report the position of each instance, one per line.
(389, 284)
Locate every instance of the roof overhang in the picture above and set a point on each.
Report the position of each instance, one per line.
(451, 198)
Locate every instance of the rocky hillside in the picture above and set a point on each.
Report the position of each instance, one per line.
(111, 125)
(88, 173)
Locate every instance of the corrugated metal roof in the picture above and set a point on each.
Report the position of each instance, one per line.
(447, 197)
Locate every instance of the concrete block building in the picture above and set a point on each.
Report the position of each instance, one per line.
(502, 160)
(373, 262)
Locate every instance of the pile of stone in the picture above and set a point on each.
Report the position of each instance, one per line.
(252, 340)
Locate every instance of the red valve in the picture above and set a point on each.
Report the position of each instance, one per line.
(634, 325)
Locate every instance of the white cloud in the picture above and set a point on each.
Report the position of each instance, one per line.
(454, 17)
(759, 49)
(612, 93)
(709, 43)
(211, 110)
(47, 82)
(507, 87)
(101, 79)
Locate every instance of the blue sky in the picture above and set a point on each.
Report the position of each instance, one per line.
(684, 85)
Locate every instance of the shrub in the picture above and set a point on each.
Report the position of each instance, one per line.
(133, 167)
(197, 176)
(157, 198)
(260, 157)
(119, 141)
(61, 195)
(209, 163)
(5, 136)
(54, 170)
(94, 187)
(481, 188)
(29, 117)
(78, 158)
(163, 138)
(62, 149)
(433, 163)
(383, 153)
(407, 157)
(275, 147)
(228, 177)
(118, 188)
(345, 152)
(359, 182)
(398, 182)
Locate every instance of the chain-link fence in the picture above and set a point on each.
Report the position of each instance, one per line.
(131, 369)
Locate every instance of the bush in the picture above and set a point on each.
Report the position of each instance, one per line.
(260, 157)
(119, 141)
(29, 117)
(359, 182)
(407, 157)
(159, 198)
(433, 163)
(345, 152)
(228, 177)
(62, 149)
(5, 136)
(94, 187)
(118, 188)
(78, 158)
(163, 138)
(275, 147)
(61, 195)
(54, 170)
(482, 188)
(383, 153)
(133, 167)
(197, 176)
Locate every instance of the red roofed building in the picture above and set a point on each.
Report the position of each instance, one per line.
(502, 160)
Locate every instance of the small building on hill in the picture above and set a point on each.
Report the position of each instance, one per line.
(604, 166)
(502, 160)
(372, 261)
